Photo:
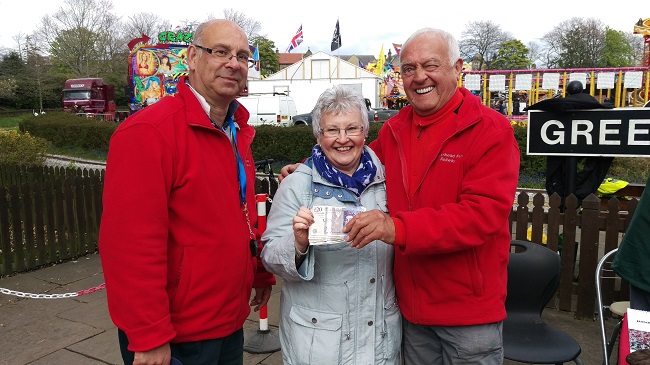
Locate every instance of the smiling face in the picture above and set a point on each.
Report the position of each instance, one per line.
(343, 151)
(429, 79)
(218, 80)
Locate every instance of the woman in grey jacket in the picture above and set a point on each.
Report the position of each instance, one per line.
(338, 303)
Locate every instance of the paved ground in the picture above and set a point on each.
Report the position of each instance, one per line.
(79, 331)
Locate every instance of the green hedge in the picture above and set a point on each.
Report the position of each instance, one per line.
(283, 145)
(68, 130)
(291, 144)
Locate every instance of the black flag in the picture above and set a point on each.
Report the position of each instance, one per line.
(336, 39)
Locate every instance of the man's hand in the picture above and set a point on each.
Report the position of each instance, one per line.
(369, 226)
(159, 356)
(286, 171)
(262, 295)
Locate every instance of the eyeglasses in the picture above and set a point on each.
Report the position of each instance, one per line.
(332, 132)
(225, 56)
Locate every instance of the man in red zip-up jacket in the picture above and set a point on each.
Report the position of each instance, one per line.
(177, 238)
(452, 167)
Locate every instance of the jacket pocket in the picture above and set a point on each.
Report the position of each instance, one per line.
(180, 284)
(392, 333)
(315, 336)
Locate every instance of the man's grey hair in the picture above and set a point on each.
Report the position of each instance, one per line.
(339, 99)
(452, 43)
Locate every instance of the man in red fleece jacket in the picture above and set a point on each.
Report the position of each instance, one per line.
(452, 167)
(177, 238)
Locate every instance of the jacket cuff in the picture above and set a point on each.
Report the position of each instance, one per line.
(400, 232)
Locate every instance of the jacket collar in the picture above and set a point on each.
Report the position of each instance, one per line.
(468, 114)
(380, 176)
(198, 116)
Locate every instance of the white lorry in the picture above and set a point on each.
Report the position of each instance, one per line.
(275, 109)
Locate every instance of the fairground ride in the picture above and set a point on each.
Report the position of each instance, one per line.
(643, 27)
(621, 86)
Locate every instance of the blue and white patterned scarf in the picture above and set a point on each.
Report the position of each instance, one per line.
(356, 183)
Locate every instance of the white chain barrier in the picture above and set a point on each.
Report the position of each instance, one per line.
(52, 296)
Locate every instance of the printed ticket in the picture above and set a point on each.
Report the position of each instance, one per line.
(329, 222)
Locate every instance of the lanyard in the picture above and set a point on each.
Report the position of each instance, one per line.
(241, 174)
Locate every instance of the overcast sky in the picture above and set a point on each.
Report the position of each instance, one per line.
(365, 25)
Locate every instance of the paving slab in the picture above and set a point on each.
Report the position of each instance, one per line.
(79, 330)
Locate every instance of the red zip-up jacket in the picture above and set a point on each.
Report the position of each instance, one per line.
(174, 241)
(451, 269)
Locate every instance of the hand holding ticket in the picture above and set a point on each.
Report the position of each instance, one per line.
(329, 222)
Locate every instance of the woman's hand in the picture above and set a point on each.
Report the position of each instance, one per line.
(301, 222)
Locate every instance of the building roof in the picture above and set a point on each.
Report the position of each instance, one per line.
(289, 58)
(302, 69)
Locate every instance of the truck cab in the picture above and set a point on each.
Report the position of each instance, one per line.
(89, 96)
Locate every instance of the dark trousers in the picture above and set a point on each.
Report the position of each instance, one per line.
(221, 351)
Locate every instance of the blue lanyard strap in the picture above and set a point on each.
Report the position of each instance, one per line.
(241, 174)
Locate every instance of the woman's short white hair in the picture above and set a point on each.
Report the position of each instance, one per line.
(336, 100)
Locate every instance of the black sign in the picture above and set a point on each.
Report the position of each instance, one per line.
(621, 132)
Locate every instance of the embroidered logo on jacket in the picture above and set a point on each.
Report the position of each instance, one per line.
(450, 157)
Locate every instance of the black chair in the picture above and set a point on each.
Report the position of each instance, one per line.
(533, 278)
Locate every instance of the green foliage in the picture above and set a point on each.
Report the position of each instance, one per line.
(268, 57)
(21, 149)
(68, 130)
(512, 55)
(631, 169)
(532, 169)
(292, 144)
(618, 52)
(12, 122)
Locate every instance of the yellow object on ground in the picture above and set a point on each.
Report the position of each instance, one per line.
(611, 186)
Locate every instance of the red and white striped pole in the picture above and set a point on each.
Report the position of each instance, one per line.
(261, 199)
(265, 340)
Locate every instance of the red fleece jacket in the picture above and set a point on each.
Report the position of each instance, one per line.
(451, 268)
(174, 241)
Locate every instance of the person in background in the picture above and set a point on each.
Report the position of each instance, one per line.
(632, 260)
(338, 303)
(177, 239)
(452, 167)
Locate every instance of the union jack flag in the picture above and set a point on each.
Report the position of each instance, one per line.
(296, 40)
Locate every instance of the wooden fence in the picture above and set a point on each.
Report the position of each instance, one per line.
(50, 215)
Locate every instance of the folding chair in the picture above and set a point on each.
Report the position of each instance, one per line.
(605, 272)
(533, 279)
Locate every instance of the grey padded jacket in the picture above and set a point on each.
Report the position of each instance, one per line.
(339, 306)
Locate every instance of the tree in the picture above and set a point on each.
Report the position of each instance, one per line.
(11, 67)
(512, 55)
(79, 36)
(269, 60)
(148, 24)
(482, 38)
(618, 52)
(576, 43)
(535, 54)
(250, 26)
